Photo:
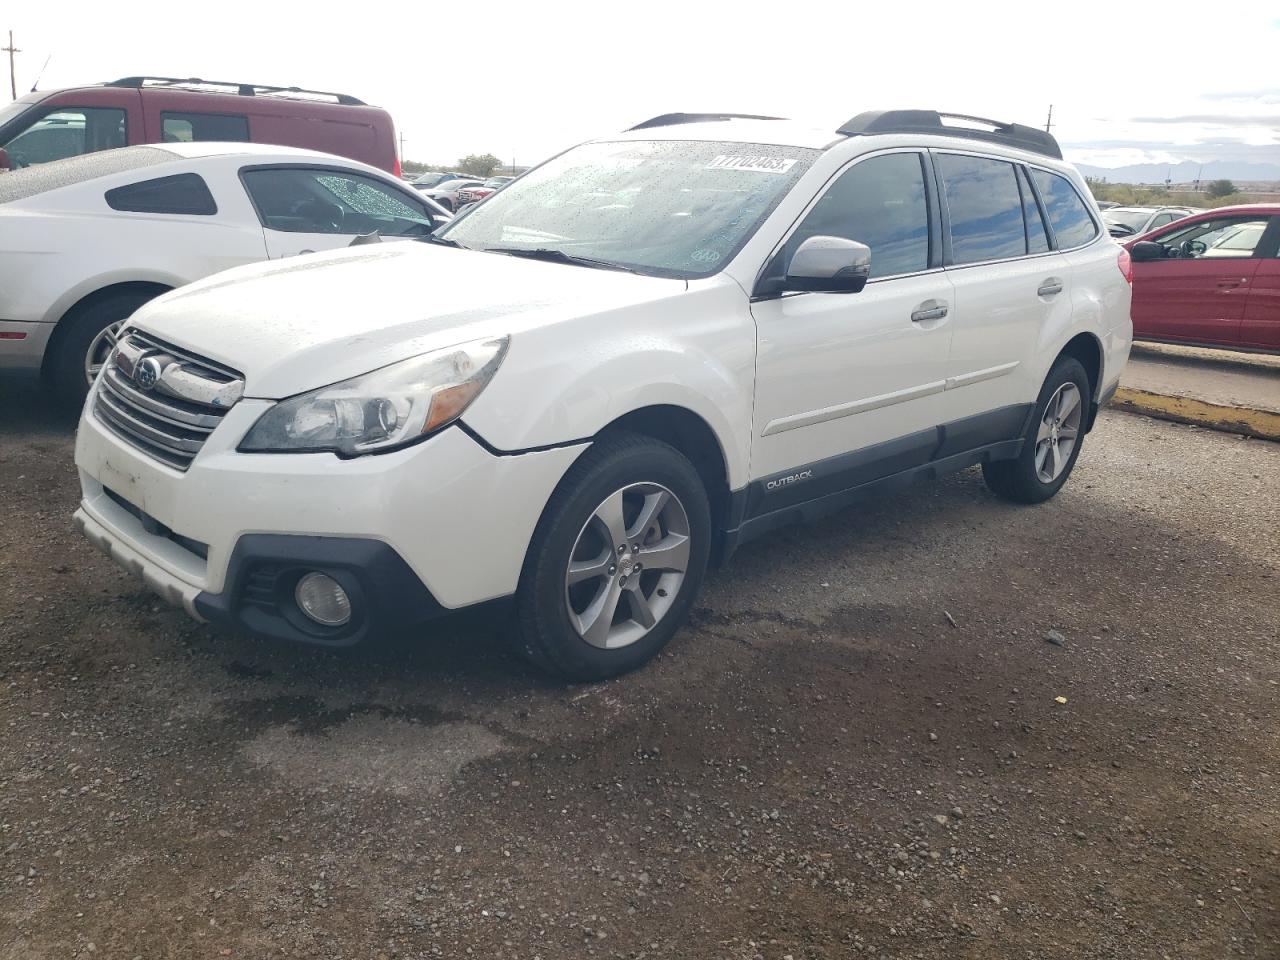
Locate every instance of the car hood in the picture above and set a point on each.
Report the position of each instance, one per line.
(298, 324)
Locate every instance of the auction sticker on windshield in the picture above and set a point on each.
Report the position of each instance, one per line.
(751, 164)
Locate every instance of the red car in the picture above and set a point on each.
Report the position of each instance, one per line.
(475, 194)
(52, 125)
(1211, 279)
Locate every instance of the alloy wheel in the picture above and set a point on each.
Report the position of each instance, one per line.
(1058, 433)
(99, 349)
(627, 565)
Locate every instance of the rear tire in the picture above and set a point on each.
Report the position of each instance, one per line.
(82, 331)
(616, 560)
(1053, 439)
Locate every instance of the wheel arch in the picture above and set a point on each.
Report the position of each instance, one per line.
(694, 437)
(88, 301)
(1087, 348)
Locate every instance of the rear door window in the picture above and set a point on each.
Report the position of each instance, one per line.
(200, 127)
(1037, 235)
(68, 132)
(881, 202)
(184, 194)
(985, 208)
(1072, 223)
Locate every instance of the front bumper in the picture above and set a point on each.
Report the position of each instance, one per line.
(456, 518)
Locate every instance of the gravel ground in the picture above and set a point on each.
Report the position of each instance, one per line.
(866, 744)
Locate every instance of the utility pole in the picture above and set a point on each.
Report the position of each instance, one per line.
(13, 77)
(402, 146)
(1048, 124)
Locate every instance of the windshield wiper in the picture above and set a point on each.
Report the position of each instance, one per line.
(443, 241)
(558, 256)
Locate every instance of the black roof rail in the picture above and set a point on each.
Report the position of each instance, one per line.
(243, 89)
(672, 119)
(930, 122)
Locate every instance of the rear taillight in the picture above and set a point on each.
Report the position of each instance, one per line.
(397, 169)
(1125, 263)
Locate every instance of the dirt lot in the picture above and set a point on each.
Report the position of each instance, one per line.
(856, 749)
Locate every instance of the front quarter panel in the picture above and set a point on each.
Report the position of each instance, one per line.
(567, 381)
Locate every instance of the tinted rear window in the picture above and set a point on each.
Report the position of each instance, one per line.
(1068, 215)
(192, 127)
(30, 181)
(985, 208)
(185, 193)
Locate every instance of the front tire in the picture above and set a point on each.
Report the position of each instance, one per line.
(85, 341)
(616, 560)
(1053, 439)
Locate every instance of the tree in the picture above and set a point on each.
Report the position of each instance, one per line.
(479, 166)
(1220, 188)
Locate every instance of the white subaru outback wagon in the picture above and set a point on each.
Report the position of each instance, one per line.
(639, 355)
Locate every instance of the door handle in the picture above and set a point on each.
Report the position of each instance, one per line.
(1231, 284)
(929, 310)
(1050, 288)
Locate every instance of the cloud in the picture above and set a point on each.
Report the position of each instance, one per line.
(1218, 119)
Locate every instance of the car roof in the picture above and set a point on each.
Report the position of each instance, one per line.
(1266, 209)
(214, 148)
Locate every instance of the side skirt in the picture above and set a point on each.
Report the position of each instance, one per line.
(808, 493)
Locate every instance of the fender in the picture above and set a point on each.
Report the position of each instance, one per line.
(58, 309)
(696, 351)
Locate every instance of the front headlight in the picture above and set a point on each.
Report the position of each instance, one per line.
(382, 410)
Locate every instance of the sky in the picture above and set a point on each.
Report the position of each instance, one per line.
(1128, 82)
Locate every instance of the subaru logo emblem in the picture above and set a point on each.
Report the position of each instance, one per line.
(147, 373)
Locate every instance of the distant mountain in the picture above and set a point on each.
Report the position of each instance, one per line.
(1183, 172)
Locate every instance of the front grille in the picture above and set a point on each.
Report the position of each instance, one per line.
(261, 586)
(162, 400)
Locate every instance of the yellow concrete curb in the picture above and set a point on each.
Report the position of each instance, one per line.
(1263, 424)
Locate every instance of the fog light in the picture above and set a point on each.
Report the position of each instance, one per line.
(322, 599)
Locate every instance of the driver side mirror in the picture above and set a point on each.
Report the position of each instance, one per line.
(1146, 250)
(828, 265)
(4, 159)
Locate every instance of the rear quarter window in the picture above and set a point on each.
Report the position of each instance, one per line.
(184, 194)
(1070, 219)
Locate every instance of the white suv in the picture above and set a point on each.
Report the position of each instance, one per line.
(641, 354)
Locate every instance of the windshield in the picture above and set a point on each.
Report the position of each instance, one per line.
(1133, 219)
(11, 110)
(672, 208)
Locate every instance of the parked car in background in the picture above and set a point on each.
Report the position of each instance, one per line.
(1125, 222)
(446, 194)
(582, 404)
(431, 179)
(43, 126)
(1106, 204)
(1211, 279)
(477, 192)
(86, 241)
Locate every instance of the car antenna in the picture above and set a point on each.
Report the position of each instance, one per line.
(41, 73)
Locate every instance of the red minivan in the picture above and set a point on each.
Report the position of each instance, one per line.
(1211, 279)
(39, 127)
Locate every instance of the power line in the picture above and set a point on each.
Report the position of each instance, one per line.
(13, 77)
